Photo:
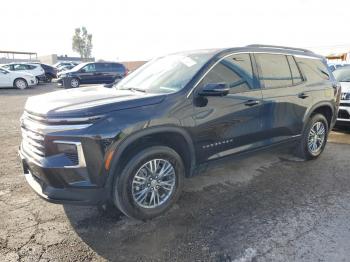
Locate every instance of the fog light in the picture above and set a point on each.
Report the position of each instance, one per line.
(73, 151)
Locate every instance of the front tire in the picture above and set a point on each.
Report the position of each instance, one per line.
(150, 183)
(314, 138)
(20, 83)
(74, 82)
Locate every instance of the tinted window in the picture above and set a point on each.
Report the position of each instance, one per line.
(30, 67)
(275, 70)
(102, 67)
(117, 68)
(89, 68)
(19, 67)
(235, 70)
(314, 69)
(296, 76)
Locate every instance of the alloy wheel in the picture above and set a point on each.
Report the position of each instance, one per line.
(153, 183)
(316, 137)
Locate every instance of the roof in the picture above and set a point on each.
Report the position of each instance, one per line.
(16, 52)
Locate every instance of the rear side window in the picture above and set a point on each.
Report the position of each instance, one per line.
(30, 67)
(296, 76)
(102, 67)
(314, 69)
(20, 67)
(235, 70)
(275, 71)
(117, 68)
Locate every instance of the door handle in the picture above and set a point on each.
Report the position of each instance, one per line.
(252, 102)
(303, 95)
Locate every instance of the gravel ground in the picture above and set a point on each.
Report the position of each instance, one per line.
(266, 207)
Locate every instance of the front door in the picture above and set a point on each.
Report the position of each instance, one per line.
(228, 124)
(87, 74)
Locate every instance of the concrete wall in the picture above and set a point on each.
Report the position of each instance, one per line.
(53, 59)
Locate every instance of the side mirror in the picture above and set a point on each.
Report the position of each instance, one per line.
(214, 89)
(82, 70)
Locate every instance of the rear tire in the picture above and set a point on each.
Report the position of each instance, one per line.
(314, 138)
(150, 183)
(20, 83)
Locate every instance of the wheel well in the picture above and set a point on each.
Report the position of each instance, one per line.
(326, 111)
(18, 78)
(173, 140)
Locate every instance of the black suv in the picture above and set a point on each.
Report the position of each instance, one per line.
(135, 143)
(50, 72)
(92, 73)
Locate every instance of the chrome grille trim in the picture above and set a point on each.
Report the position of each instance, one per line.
(33, 135)
(45, 129)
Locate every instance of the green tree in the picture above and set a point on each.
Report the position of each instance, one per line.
(82, 42)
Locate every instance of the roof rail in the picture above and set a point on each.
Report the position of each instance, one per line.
(281, 47)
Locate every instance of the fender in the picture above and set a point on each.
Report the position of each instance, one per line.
(120, 148)
(314, 107)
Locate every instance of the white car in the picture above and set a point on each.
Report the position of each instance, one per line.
(20, 80)
(34, 69)
(342, 75)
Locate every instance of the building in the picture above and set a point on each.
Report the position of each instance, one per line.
(133, 65)
(16, 56)
(53, 59)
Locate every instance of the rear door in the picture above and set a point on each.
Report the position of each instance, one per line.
(284, 95)
(232, 123)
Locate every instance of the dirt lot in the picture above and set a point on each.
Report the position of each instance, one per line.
(268, 207)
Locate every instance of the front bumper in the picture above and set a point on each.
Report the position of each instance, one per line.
(41, 78)
(54, 183)
(344, 113)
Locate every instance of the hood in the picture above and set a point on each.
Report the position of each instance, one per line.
(88, 101)
(345, 87)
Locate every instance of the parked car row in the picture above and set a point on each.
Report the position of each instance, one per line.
(17, 79)
(41, 73)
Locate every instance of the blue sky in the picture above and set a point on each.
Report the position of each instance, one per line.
(137, 30)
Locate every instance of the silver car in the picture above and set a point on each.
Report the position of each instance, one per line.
(342, 75)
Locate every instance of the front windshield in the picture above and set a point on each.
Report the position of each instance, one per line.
(165, 74)
(342, 74)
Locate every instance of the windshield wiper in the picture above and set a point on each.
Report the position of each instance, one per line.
(134, 89)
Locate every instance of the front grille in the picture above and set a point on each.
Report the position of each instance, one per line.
(343, 114)
(73, 157)
(32, 140)
(345, 104)
(345, 96)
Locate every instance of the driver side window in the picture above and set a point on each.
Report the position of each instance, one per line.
(235, 70)
(90, 68)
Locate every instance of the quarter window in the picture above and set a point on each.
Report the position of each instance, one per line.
(235, 70)
(314, 69)
(275, 70)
